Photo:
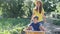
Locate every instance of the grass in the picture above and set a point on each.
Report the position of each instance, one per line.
(13, 25)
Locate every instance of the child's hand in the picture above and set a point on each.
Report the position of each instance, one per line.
(29, 28)
(44, 29)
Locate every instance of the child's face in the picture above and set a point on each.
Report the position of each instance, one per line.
(35, 20)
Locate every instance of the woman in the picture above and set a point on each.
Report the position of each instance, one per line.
(38, 11)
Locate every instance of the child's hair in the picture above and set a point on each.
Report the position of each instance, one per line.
(36, 17)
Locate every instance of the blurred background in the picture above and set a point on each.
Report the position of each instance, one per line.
(16, 14)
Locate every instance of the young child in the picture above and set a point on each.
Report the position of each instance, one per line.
(35, 25)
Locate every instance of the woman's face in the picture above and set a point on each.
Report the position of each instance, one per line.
(38, 4)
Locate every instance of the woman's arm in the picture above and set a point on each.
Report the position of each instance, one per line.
(32, 17)
(33, 13)
(44, 16)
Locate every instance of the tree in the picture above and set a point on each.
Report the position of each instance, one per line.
(50, 5)
(28, 5)
(12, 8)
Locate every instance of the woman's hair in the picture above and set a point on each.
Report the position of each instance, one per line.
(40, 7)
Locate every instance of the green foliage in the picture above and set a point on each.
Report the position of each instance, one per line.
(58, 7)
(15, 8)
(56, 22)
(13, 25)
(28, 6)
(21, 8)
(49, 5)
(12, 31)
(10, 22)
(12, 8)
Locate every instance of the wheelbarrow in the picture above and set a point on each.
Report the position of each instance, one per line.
(34, 32)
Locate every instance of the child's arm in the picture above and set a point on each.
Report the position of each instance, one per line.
(44, 15)
(29, 28)
(42, 28)
(33, 14)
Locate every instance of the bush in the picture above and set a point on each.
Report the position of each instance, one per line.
(56, 22)
(58, 16)
(13, 25)
(14, 32)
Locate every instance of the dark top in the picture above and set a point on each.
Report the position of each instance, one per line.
(36, 26)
